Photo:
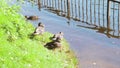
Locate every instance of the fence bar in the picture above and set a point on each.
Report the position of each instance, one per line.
(99, 12)
(94, 12)
(108, 14)
(68, 9)
(82, 10)
(119, 20)
(90, 12)
(103, 13)
(86, 10)
(39, 4)
(113, 18)
(75, 9)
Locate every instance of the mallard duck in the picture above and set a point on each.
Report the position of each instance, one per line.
(40, 29)
(54, 44)
(32, 17)
(58, 35)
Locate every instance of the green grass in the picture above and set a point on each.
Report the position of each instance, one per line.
(17, 50)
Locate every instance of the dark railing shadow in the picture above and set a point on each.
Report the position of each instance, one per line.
(103, 30)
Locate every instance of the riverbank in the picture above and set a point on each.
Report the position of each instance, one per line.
(93, 49)
(19, 51)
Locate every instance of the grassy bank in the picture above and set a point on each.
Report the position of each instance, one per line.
(17, 50)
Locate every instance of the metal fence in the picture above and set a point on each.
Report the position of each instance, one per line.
(102, 15)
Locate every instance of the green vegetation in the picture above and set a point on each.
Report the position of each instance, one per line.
(17, 50)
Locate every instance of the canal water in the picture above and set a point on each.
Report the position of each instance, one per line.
(92, 48)
(95, 13)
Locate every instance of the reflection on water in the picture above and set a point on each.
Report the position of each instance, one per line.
(39, 5)
(102, 30)
(104, 15)
(93, 12)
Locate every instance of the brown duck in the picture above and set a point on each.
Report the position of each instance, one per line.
(32, 17)
(58, 35)
(40, 29)
(54, 44)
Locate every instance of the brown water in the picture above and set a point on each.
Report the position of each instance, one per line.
(93, 49)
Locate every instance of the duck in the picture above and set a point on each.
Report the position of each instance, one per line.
(40, 29)
(32, 17)
(53, 44)
(58, 35)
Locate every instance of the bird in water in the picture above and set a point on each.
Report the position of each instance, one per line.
(32, 17)
(40, 29)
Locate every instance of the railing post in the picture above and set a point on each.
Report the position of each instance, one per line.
(119, 20)
(108, 14)
(68, 9)
(39, 5)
